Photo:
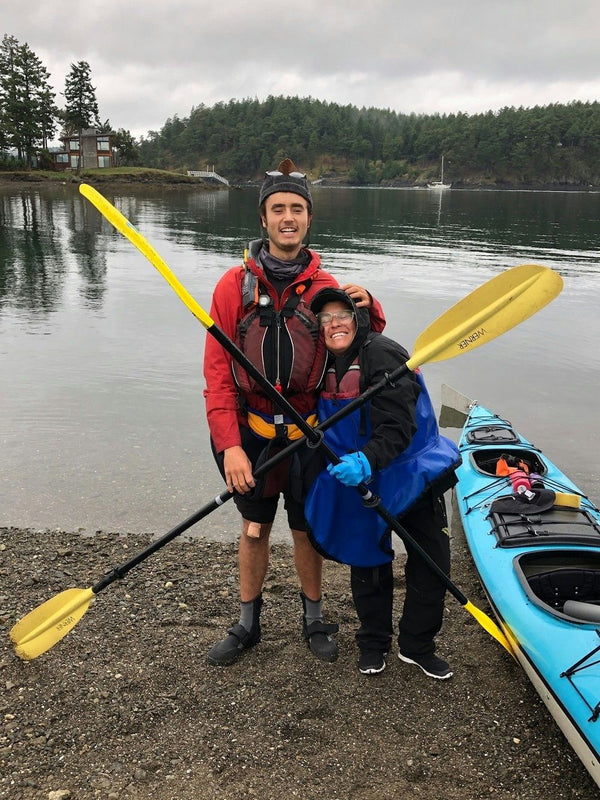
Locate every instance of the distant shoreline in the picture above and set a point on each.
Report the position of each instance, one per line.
(147, 178)
(114, 177)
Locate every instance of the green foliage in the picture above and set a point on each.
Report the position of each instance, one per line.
(128, 154)
(10, 164)
(81, 106)
(45, 160)
(28, 114)
(555, 144)
(104, 127)
(27, 109)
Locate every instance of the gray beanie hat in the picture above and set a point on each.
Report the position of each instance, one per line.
(285, 179)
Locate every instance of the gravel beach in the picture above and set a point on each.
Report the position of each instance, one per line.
(126, 705)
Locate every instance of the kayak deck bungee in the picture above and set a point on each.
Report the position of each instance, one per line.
(538, 558)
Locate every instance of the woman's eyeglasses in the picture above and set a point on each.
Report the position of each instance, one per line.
(326, 317)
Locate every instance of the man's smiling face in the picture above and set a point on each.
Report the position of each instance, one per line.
(287, 219)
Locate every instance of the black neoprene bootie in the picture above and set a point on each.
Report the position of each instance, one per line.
(317, 634)
(238, 639)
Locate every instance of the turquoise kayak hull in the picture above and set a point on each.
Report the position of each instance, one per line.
(538, 559)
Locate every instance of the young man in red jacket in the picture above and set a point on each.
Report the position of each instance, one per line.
(263, 305)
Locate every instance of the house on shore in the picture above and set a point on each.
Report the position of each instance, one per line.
(86, 149)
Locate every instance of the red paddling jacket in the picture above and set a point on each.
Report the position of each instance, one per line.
(232, 398)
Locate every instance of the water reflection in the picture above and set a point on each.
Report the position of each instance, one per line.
(102, 422)
(439, 208)
(85, 226)
(31, 252)
(47, 232)
(204, 220)
(43, 235)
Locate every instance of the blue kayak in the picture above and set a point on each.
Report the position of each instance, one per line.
(536, 546)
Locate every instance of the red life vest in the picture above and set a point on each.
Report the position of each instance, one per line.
(348, 388)
(283, 343)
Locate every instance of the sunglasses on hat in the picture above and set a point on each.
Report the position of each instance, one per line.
(275, 173)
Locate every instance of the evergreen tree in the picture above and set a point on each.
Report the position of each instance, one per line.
(38, 109)
(81, 106)
(27, 109)
(8, 90)
(48, 115)
(557, 144)
(104, 127)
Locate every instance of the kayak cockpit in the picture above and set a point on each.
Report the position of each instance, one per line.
(492, 434)
(565, 583)
(485, 459)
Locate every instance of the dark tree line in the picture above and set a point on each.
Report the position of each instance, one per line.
(555, 144)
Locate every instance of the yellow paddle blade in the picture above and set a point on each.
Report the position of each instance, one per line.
(125, 227)
(489, 625)
(489, 311)
(46, 625)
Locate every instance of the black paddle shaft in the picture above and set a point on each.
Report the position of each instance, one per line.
(315, 439)
(119, 572)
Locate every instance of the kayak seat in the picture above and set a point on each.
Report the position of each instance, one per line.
(556, 587)
(585, 611)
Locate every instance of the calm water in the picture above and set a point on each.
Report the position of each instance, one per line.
(102, 423)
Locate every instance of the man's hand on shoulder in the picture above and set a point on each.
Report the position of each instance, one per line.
(359, 294)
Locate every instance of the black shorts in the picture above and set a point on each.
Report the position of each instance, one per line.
(260, 505)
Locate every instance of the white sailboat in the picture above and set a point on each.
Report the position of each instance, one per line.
(440, 185)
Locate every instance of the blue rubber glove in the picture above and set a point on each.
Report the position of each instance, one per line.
(354, 468)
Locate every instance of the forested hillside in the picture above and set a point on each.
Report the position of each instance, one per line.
(549, 145)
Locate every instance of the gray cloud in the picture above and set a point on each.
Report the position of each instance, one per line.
(153, 60)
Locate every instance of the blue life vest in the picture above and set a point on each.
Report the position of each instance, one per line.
(341, 527)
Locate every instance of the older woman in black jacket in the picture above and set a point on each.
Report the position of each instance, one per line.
(392, 441)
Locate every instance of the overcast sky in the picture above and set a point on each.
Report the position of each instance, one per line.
(151, 60)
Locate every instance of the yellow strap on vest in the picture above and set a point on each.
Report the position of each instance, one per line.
(266, 429)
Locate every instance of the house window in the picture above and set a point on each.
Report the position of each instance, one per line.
(74, 160)
(73, 144)
(103, 143)
(104, 161)
(62, 158)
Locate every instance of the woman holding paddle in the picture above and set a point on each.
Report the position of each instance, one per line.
(392, 443)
